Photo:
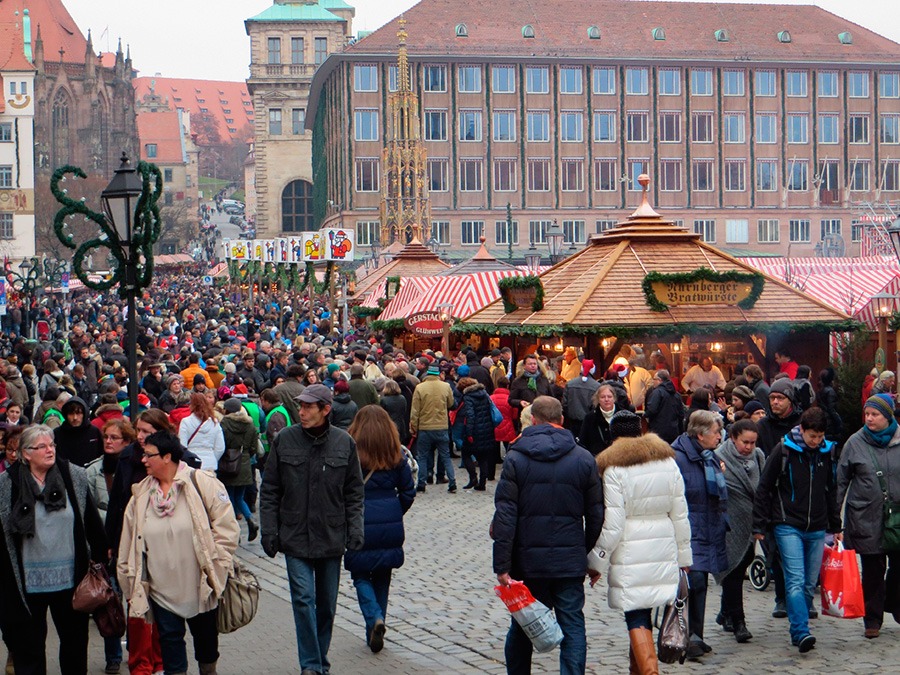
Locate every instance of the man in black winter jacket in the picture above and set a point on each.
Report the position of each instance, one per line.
(664, 408)
(783, 418)
(549, 512)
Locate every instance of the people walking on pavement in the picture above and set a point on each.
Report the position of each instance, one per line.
(240, 433)
(796, 501)
(389, 493)
(475, 426)
(707, 500)
(664, 408)
(313, 476)
(178, 538)
(646, 536)
(429, 423)
(549, 511)
(743, 466)
(868, 472)
(578, 396)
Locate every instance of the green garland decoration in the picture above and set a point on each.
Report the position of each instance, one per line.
(391, 282)
(389, 325)
(755, 279)
(894, 321)
(310, 278)
(145, 232)
(660, 331)
(527, 282)
(363, 312)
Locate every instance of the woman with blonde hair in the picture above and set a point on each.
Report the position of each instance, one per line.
(390, 492)
(202, 434)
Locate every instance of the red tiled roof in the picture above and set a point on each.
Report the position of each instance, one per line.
(561, 31)
(12, 48)
(108, 59)
(163, 129)
(223, 100)
(58, 31)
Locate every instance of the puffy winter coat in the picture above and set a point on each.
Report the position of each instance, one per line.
(595, 434)
(240, 432)
(343, 410)
(475, 414)
(646, 534)
(548, 506)
(389, 494)
(396, 407)
(772, 429)
(208, 443)
(665, 411)
(79, 445)
(506, 430)
(709, 520)
(857, 480)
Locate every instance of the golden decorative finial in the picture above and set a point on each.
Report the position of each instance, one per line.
(645, 209)
(402, 34)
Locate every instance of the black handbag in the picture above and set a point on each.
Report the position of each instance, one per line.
(230, 462)
(674, 630)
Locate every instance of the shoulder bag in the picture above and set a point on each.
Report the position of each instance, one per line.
(674, 631)
(240, 600)
(890, 538)
(230, 462)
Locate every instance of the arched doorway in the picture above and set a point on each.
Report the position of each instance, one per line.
(297, 207)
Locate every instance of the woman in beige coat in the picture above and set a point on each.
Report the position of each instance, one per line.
(175, 553)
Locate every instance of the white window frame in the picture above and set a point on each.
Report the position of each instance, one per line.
(860, 176)
(511, 164)
(857, 123)
(428, 127)
(477, 176)
(701, 82)
(501, 232)
(670, 175)
(669, 121)
(801, 131)
(476, 115)
(672, 79)
(604, 75)
(577, 82)
(463, 81)
(374, 165)
(359, 126)
(571, 126)
(830, 88)
(708, 118)
(545, 167)
(740, 82)
(543, 117)
(798, 170)
(771, 77)
(368, 232)
(706, 228)
(603, 166)
(574, 232)
(735, 170)
(637, 81)
(709, 171)
(537, 231)
(471, 232)
(799, 231)
(737, 231)
(892, 120)
(610, 128)
(543, 80)
(890, 169)
(734, 127)
(889, 84)
(637, 121)
(768, 231)
(441, 165)
(440, 230)
(365, 77)
(428, 81)
(857, 84)
(796, 83)
(498, 126)
(767, 122)
(566, 178)
(829, 132)
(503, 76)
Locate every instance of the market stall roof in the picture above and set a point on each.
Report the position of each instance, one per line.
(600, 290)
(482, 261)
(173, 259)
(846, 284)
(466, 292)
(414, 260)
(411, 289)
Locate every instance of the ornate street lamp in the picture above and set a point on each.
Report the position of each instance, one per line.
(555, 237)
(894, 234)
(25, 282)
(885, 305)
(129, 226)
(446, 312)
(533, 261)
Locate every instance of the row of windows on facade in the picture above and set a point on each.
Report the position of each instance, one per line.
(298, 51)
(298, 121)
(604, 127)
(151, 150)
(737, 231)
(606, 175)
(637, 81)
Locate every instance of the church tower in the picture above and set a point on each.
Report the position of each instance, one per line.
(405, 213)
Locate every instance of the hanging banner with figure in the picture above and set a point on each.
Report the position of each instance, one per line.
(313, 247)
(340, 244)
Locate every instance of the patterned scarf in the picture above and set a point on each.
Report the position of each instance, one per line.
(715, 479)
(164, 504)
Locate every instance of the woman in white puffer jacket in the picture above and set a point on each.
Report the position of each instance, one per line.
(646, 536)
(202, 434)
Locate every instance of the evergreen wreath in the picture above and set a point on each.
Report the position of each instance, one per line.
(530, 281)
(755, 279)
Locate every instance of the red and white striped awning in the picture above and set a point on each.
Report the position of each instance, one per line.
(846, 284)
(410, 287)
(468, 293)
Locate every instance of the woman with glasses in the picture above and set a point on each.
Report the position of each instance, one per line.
(51, 532)
(178, 538)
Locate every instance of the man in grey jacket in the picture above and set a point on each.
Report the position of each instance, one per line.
(311, 509)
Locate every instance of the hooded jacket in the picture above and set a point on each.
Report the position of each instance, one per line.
(79, 445)
(504, 432)
(797, 488)
(208, 443)
(105, 413)
(343, 410)
(646, 534)
(665, 411)
(15, 389)
(548, 506)
(475, 416)
(240, 432)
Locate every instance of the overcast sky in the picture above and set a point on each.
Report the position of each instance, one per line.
(205, 39)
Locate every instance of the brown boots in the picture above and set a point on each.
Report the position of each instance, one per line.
(642, 654)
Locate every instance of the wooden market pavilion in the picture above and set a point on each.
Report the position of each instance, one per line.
(650, 283)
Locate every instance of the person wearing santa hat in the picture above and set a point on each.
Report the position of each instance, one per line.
(577, 397)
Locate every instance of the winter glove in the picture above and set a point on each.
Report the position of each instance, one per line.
(270, 544)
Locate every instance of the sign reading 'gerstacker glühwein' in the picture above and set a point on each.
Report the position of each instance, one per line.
(425, 324)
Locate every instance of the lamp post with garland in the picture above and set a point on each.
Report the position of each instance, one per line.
(25, 283)
(128, 228)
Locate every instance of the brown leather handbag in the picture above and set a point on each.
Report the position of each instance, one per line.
(94, 591)
(674, 630)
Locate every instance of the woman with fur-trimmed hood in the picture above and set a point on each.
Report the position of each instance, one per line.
(646, 535)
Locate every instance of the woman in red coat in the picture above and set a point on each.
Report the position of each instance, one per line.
(505, 432)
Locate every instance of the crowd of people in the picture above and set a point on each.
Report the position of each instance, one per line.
(264, 422)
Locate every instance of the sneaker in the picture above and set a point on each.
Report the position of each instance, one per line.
(806, 643)
(420, 488)
(376, 641)
(780, 611)
(451, 488)
(113, 667)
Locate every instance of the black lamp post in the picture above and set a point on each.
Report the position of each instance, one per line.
(25, 283)
(555, 237)
(129, 226)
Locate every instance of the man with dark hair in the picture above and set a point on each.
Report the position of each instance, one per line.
(549, 512)
(785, 363)
(796, 501)
(664, 408)
(362, 391)
(313, 474)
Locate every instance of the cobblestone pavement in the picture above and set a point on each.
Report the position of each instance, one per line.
(444, 617)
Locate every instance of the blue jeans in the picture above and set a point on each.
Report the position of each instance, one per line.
(314, 591)
(639, 618)
(372, 592)
(112, 646)
(171, 638)
(801, 558)
(566, 598)
(426, 443)
(236, 493)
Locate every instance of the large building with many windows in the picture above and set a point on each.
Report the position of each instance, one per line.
(766, 128)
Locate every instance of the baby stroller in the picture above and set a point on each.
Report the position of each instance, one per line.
(760, 570)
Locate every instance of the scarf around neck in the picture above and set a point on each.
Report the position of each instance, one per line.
(53, 496)
(532, 379)
(715, 479)
(164, 504)
(880, 439)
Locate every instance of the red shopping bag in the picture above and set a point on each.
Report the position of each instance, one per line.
(535, 618)
(842, 594)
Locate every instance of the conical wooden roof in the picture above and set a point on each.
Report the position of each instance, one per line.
(415, 260)
(601, 286)
(482, 261)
